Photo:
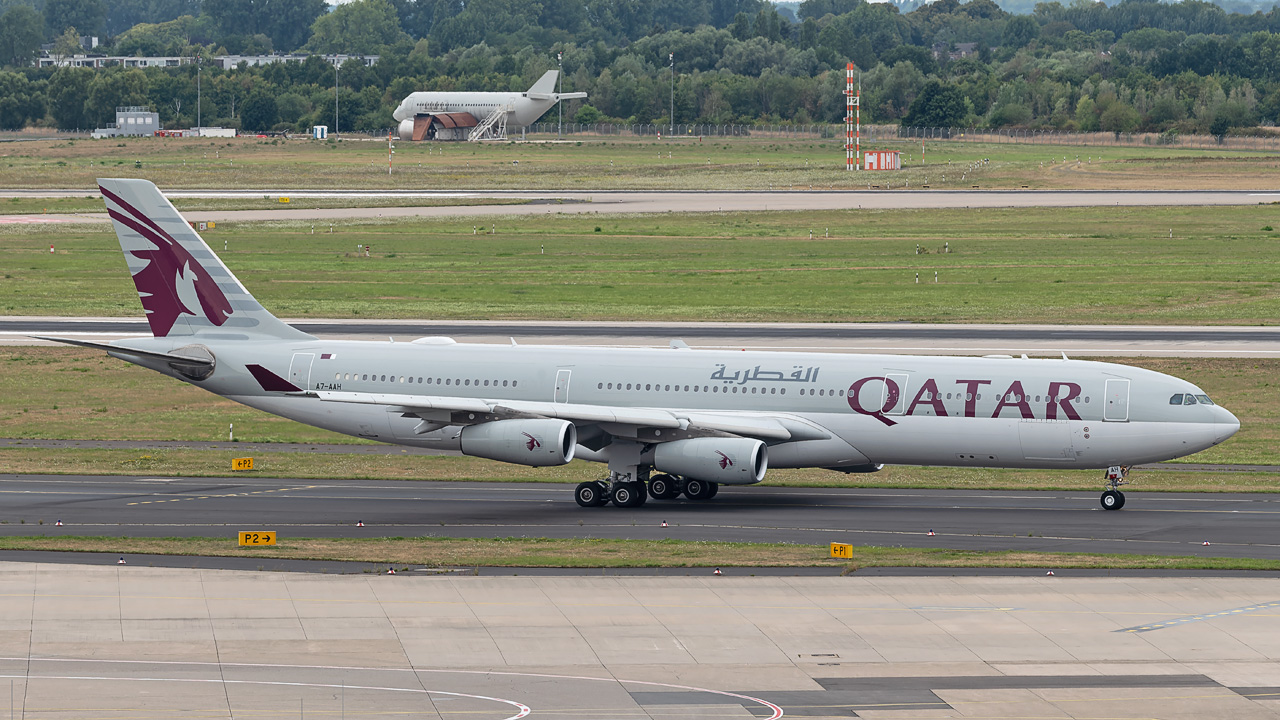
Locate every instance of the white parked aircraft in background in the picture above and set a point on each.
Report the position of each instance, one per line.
(505, 109)
(665, 421)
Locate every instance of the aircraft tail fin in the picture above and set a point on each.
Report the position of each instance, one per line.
(547, 83)
(185, 289)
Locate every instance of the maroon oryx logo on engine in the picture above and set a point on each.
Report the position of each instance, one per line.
(533, 443)
(725, 462)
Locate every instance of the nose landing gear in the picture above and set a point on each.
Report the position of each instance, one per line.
(1117, 475)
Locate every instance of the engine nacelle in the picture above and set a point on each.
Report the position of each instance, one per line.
(405, 131)
(537, 443)
(730, 461)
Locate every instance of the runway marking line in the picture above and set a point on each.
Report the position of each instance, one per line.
(1198, 618)
(207, 497)
(777, 711)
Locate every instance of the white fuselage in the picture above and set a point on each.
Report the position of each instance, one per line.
(982, 412)
(521, 110)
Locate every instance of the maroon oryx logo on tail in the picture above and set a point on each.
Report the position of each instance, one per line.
(725, 462)
(170, 275)
(533, 443)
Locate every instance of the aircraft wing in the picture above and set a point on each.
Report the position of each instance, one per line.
(447, 409)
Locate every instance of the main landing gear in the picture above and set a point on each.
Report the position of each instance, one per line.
(1117, 475)
(632, 493)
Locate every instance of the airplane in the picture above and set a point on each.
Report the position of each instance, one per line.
(521, 108)
(665, 421)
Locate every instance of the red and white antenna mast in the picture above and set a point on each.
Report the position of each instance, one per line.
(852, 121)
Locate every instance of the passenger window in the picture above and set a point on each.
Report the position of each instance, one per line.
(410, 380)
(841, 393)
(504, 383)
(715, 388)
(1176, 399)
(695, 388)
(773, 391)
(668, 388)
(401, 379)
(467, 383)
(784, 391)
(514, 383)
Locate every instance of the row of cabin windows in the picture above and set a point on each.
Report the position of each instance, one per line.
(1011, 397)
(427, 381)
(691, 388)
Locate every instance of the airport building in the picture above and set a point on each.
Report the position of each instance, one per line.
(131, 122)
(226, 62)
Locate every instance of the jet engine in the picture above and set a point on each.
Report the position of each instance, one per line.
(406, 129)
(524, 442)
(730, 461)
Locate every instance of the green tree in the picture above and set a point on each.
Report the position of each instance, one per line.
(1019, 31)
(85, 15)
(1086, 115)
(259, 111)
(110, 90)
(21, 32)
(588, 114)
(937, 105)
(287, 22)
(68, 88)
(360, 27)
(20, 101)
(1118, 118)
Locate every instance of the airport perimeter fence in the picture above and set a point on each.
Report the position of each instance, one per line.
(1258, 139)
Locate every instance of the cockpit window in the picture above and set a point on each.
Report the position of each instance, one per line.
(1176, 399)
(1189, 399)
(1204, 399)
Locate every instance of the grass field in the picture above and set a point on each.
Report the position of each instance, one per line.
(545, 552)
(78, 394)
(1053, 265)
(683, 163)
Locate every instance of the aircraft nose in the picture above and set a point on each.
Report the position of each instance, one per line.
(1226, 426)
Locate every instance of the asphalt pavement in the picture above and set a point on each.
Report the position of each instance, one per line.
(1235, 525)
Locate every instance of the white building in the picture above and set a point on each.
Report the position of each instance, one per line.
(131, 122)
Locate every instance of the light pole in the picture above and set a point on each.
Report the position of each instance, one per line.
(199, 64)
(672, 58)
(336, 62)
(559, 90)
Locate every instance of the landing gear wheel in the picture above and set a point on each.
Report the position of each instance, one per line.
(629, 494)
(715, 489)
(699, 489)
(1112, 500)
(663, 487)
(591, 494)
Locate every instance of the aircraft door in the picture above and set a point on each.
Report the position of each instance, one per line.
(562, 387)
(300, 370)
(1117, 401)
(900, 406)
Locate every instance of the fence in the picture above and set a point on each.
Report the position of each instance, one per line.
(1258, 140)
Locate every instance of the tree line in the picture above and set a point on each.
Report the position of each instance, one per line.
(1137, 65)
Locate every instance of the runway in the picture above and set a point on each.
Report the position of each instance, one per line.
(614, 201)
(1236, 525)
(889, 338)
(108, 643)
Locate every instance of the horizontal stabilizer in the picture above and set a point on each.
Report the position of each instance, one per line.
(186, 359)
